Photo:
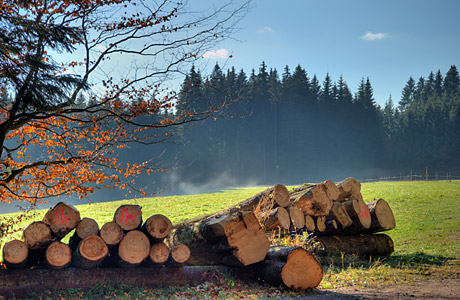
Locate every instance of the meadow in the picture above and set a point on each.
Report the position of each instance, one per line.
(426, 237)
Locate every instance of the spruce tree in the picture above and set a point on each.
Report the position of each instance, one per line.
(451, 83)
(407, 96)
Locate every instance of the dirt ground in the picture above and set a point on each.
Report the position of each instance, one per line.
(430, 289)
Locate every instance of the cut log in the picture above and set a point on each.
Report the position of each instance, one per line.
(37, 235)
(320, 223)
(312, 199)
(362, 246)
(352, 207)
(157, 227)
(62, 219)
(275, 219)
(86, 227)
(212, 240)
(332, 190)
(339, 214)
(15, 254)
(129, 217)
(360, 222)
(58, 256)
(111, 233)
(90, 252)
(349, 188)
(294, 267)
(133, 249)
(297, 217)
(159, 253)
(272, 197)
(179, 255)
(381, 215)
(310, 223)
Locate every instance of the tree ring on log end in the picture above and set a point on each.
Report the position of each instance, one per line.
(384, 215)
(37, 235)
(280, 195)
(159, 253)
(87, 227)
(134, 247)
(15, 252)
(93, 248)
(302, 270)
(111, 233)
(180, 253)
(158, 226)
(58, 254)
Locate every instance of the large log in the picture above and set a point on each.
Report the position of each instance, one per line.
(86, 227)
(159, 253)
(349, 188)
(15, 254)
(277, 195)
(340, 215)
(133, 249)
(362, 246)
(214, 240)
(37, 235)
(111, 233)
(277, 218)
(294, 267)
(381, 215)
(157, 227)
(58, 256)
(312, 199)
(310, 224)
(90, 253)
(332, 190)
(297, 217)
(129, 217)
(62, 219)
(361, 222)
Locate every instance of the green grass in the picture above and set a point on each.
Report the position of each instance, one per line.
(426, 237)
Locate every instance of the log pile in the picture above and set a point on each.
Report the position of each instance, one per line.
(119, 243)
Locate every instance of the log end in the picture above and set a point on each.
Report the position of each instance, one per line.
(302, 270)
(180, 253)
(37, 235)
(128, 216)
(384, 215)
(93, 248)
(86, 227)
(111, 233)
(58, 255)
(15, 252)
(134, 247)
(159, 253)
(281, 195)
(158, 226)
(62, 218)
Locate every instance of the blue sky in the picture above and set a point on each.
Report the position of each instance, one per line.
(387, 41)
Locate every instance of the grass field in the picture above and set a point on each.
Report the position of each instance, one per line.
(426, 237)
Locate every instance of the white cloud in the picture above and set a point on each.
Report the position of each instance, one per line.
(216, 54)
(369, 36)
(265, 29)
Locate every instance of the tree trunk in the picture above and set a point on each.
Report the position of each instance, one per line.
(90, 252)
(381, 215)
(179, 255)
(276, 218)
(62, 219)
(277, 195)
(157, 227)
(297, 217)
(133, 249)
(58, 256)
(340, 215)
(294, 267)
(37, 235)
(312, 199)
(15, 254)
(349, 188)
(159, 253)
(363, 246)
(212, 239)
(332, 190)
(111, 233)
(85, 228)
(129, 217)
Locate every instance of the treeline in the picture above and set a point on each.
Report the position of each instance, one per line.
(289, 125)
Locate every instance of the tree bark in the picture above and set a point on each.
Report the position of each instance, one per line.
(381, 215)
(85, 228)
(212, 240)
(62, 219)
(134, 248)
(363, 246)
(294, 267)
(312, 199)
(157, 227)
(15, 254)
(37, 235)
(90, 253)
(58, 256)
(276, 218)
(129, 217)
(111, 233)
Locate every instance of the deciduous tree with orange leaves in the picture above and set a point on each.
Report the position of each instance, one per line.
(116, 54)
